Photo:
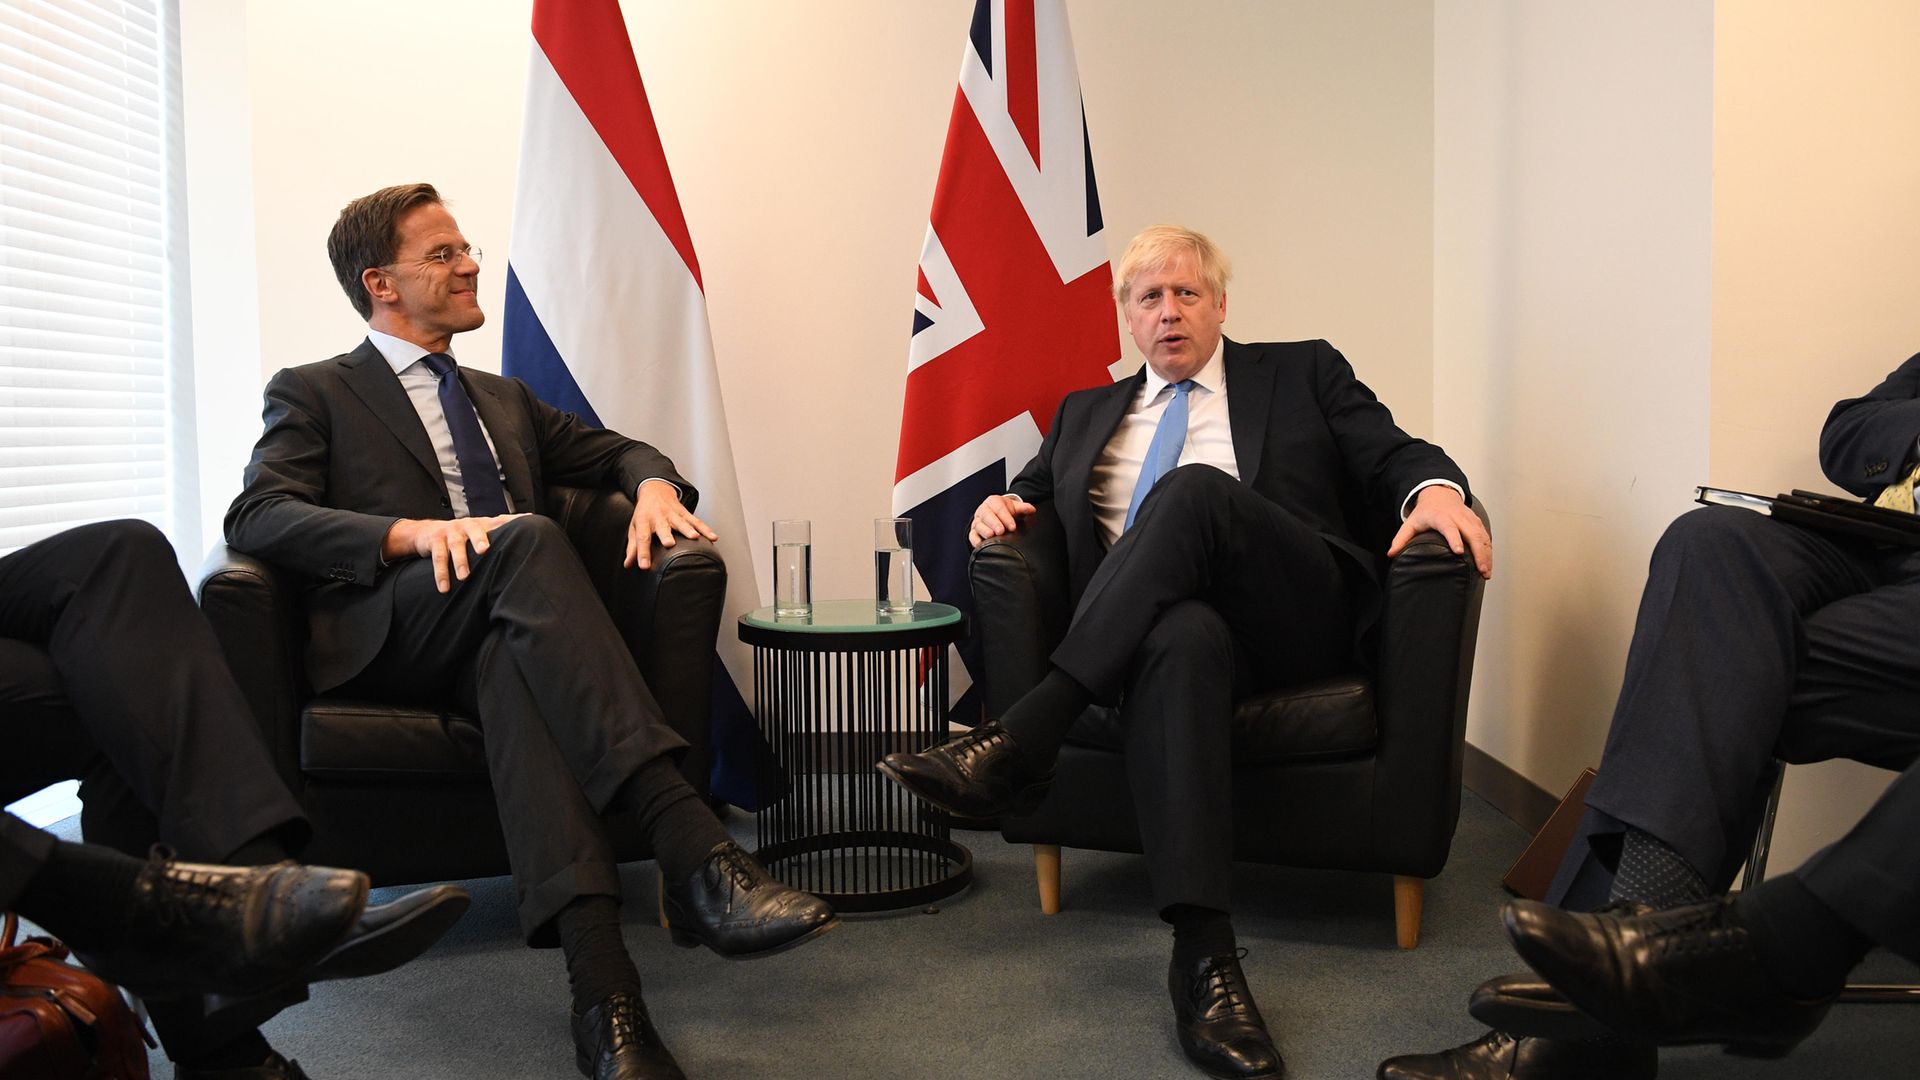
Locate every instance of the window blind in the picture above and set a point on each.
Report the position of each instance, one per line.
(91, 355)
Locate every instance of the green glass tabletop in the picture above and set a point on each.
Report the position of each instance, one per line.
(852, 617)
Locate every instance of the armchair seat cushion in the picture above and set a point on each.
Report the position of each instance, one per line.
(1326, 720)
(347, 740)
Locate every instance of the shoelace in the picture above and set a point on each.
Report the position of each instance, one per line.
(985, 737)
(739, 872)
(623, 1021)
(1219, 974)
(1703, 930)
(180, 895)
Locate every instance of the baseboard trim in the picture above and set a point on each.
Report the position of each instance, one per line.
(1524, 802)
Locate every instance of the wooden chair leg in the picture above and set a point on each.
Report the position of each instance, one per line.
(1408, 892)
(660, 897)
(1046, 871)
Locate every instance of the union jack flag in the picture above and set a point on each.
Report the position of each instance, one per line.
(1013, 309)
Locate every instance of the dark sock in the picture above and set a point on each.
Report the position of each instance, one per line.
(1039, 721)
(676, 820)
(259, 851)
(80, 894)
(1199, 932)
(1652, 873)
(597, 959)
(1799, 940)
(248, 1051)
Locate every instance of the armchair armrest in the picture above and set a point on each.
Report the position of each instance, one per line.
(669, 615)
(255, 610)
(1020, 600)
(1428, 629)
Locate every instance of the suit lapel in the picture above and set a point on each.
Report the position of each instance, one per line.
(501, 425)
(369, 377)
(1105, 418)
(1249, 402)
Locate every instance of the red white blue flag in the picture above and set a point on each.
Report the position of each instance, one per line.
(605, 312)
(1014, 308)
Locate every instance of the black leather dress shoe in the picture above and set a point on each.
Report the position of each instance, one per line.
(1219, 1026)
(734, 907)
(1525, 1002)
(274, 1068)
(615, 1040)
(974, 775)
(198, 928)
(1500, 1056)
(1686, 975)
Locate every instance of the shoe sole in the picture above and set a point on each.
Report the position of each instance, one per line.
(687, 939)
(1532, 1016)
(1025, 801)
(395, 944)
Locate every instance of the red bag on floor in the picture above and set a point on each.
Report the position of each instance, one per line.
(61, 1022)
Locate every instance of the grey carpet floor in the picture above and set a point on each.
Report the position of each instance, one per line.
(988, 987)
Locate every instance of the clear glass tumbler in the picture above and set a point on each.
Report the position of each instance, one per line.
(893, 565)
(792, 568)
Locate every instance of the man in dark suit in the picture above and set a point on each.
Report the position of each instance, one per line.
(1755, 640)
(409, 489)
(109, 674)
(1215, 506)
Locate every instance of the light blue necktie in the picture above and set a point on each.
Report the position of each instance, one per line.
(1163, 453)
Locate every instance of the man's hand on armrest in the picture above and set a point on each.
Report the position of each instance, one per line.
(998, 515)
(1441, 509)
(445, 542)
(658, 514)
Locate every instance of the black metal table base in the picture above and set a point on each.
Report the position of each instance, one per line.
(831, 705)
(871, 871)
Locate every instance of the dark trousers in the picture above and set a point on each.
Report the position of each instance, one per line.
(109, 674)
(1755, 640)
(1213, 594)
(525, 646)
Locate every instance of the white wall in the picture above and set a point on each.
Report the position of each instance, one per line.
(1572, 215)
(804, 142)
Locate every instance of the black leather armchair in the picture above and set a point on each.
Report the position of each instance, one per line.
(1356, 772)
(402, 792)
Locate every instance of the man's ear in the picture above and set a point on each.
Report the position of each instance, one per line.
(378, 285)
(1223, 307)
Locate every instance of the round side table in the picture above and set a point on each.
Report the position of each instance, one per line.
(835, 691)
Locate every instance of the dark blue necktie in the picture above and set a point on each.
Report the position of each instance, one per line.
(1163, 453)
(479, 473)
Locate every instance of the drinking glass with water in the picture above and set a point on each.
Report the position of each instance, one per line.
(893, 565)
(792, 568)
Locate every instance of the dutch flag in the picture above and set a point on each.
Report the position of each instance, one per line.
(605, 314)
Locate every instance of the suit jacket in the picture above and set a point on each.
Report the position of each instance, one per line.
(1307, 434)
(344, 455)
(1868, 442)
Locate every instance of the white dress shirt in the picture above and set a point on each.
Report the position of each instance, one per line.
(408, 361)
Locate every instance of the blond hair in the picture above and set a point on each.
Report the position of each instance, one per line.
(1158, 245)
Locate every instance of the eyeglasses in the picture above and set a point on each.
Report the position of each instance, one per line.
(444, 256)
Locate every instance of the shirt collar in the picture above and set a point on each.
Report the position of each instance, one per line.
(399, 353)
(1212, 376)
